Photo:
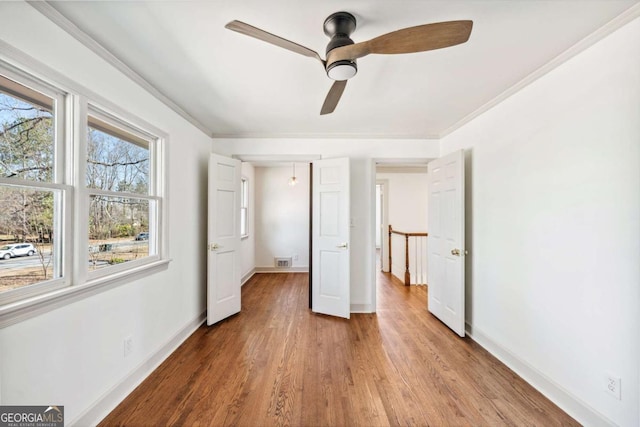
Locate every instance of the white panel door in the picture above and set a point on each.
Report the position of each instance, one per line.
(445, 177)
(330, 230)
(223, 248)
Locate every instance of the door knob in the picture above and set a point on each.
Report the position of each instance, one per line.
(214, 246)
(343, 245)
(455, 252)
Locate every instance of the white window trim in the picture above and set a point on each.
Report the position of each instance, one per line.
(242, 180)
(76, 283)
(58, 184)
(155, 215)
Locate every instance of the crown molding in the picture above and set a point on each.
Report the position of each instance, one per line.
(322, 135)
(63, 22)
(616, 23)
(51, 13)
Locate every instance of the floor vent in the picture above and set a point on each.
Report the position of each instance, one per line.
(282, 262)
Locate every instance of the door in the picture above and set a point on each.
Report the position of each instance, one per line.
(331, 245)
(223, 247)
(445, 183)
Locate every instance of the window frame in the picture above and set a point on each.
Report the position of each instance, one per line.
(155, 198)
(72, 107)
(59, 184)
(244, 205)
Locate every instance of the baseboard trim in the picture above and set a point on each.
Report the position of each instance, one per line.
(248, 276)
(362, 308)
(282, 270)
(569, 403)
(112, 398)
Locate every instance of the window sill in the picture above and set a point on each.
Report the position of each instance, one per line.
(16, 312)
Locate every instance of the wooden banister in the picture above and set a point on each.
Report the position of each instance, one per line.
(407, 273)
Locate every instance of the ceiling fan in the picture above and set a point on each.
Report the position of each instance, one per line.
(342, 52)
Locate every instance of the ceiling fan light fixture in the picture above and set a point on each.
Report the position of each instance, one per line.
(342, 70)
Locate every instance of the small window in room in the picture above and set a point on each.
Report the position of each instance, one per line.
(122, 196)
(244, 206)
(31, 188)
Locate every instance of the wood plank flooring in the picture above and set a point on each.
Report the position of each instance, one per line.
(278, 364)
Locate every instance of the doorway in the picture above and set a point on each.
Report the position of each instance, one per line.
(401, 202)
(289, 219)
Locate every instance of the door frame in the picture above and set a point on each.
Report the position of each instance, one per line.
(290, 158)
(375, 162)
(384, 237)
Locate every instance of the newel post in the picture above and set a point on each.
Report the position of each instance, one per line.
(390, 265)
(407, 275)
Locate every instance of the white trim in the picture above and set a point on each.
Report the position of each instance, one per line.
(13, 313)
(325, 135)
(106, 403)
(282, 270)
(569, 403)
(401, 169)
(122, 194)
(63, 22)
(362, 308)
(76, 194)
(32, 67)
(247, 276)
(608, 28)
(277, 158)
(74, 31)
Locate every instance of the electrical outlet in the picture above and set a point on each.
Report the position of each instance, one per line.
(612, 386)
(295, 257)
(128, 345)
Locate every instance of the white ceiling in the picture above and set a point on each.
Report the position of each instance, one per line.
(237, 86)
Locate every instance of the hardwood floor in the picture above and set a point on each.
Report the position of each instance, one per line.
(276, 363)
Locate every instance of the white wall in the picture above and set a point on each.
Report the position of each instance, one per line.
(74, 355)
(248, 244)
(553, 226)
(282, 216)
(363, 154)
(407, 198)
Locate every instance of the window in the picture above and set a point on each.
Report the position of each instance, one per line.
(244, 206)
(108, 176)
(122, 204)
(32, 188)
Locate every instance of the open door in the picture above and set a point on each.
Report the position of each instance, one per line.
(445, 183)
(223, 248)
(331, 244)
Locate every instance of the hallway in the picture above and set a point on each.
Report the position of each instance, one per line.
(276, 363)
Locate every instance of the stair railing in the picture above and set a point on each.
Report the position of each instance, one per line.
(420, 255)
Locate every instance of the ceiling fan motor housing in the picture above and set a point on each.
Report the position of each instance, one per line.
(339, 27)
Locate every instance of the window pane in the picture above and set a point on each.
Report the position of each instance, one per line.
(118, 230)
(114, 164)
(26, 234)
(26, 135)
(244, 193)
(243, 221)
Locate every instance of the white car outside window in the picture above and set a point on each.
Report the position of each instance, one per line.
(17, 249)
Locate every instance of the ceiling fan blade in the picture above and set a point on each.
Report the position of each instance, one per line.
(259, 34)
(408, 40)
(331, 101)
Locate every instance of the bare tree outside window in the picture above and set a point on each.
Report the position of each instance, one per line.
(60, 231)
(26, 214)
(118, 222)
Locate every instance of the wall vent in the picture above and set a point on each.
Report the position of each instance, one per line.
(282, 262)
